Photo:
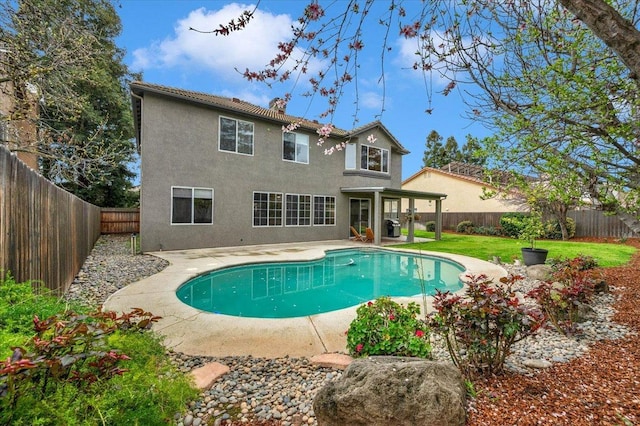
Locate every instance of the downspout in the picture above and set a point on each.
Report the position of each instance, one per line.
(139, 144)
(140, 98)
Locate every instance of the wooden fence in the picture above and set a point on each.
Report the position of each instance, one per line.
(120, 221)
(589, 223)
(46, 233)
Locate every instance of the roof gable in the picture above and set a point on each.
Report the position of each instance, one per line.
(377, 124)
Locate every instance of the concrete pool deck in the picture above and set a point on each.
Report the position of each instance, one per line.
(195, 332)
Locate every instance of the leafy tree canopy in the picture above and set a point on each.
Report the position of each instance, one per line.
(63, 53)
(437, 155)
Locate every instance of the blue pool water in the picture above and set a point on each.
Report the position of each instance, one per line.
(342, 279)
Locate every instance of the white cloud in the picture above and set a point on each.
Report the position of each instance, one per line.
(371, 100)
(253, 47)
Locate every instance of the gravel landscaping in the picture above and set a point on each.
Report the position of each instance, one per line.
(591, 379)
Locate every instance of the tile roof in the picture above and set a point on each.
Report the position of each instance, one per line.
(237, 105)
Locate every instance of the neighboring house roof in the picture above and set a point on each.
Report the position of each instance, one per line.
(236, 105)
(467, 178)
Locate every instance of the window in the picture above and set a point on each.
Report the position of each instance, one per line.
(267, 209)
(191, 205)
(298, 210)
(236, 136)
(374, 159)
(324, 210)
(350, 156)
(295, 147)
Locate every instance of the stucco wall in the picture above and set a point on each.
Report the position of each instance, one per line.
(180, 148)
(463, 195)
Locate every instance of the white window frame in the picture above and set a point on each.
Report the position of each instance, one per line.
(237, 124)
(299, 216)
(301, 145)
(350, 156)
(384, 155)
(193, 190)
(322, 220)
(272, 220)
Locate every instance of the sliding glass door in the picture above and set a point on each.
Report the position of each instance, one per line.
(360, 214)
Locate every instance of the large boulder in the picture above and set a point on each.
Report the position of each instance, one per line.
(382, 391)
(540, 272)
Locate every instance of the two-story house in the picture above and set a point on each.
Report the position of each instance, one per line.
(219, 172)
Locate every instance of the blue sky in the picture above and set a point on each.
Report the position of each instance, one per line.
(159, 44)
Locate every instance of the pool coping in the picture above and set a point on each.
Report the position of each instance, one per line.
(195, 332)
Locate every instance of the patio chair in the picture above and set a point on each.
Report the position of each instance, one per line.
(357, 236)
(369, 235)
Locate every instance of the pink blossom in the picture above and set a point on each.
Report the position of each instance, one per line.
(359, 347)
(325, 131)
(314, 11)
(391, 317)
(281, 103)
(410, 31)
(419, 333)
(356, 45)
(290, 127)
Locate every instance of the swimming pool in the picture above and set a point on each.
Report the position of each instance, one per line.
(341, 279)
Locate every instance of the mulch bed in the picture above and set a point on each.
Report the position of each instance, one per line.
(599, 388)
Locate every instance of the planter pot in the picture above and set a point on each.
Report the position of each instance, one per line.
(534, 256)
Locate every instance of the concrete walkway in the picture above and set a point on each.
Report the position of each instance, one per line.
(195, 332)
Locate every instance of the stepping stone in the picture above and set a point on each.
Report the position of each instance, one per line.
(339, 361)
(204, 376)
(536, 363)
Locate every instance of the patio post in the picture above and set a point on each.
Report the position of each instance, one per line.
(410, 217)
(438, 220)
(377, 218)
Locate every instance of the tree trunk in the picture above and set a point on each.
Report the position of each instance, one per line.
(614, 30)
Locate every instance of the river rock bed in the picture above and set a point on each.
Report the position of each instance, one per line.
(281, 390)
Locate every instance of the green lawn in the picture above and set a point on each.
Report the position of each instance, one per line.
(485, 248)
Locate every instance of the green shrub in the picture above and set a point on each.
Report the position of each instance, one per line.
(150, 392)
(70, 368)
(486, 230)
(19, 302)
(430, 226)
(384, 327)
(560, 301)
(465, 227)
(571, 285)
(512, 224)
(480, 328)
(553, 231)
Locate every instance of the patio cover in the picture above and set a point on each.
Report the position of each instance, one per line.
(380, 193)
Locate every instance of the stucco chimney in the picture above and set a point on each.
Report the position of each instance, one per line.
(277, 104)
